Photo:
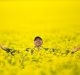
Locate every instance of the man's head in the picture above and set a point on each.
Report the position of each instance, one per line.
(38, 41)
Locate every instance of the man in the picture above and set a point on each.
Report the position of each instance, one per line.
(38, 47)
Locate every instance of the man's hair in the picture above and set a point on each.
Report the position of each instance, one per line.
(37, 37)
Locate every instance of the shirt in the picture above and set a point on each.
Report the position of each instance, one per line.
(41, 49)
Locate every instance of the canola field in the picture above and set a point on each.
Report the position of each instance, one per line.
(45, 63)
(57, 22)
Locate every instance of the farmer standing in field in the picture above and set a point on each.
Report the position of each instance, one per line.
(37, 47)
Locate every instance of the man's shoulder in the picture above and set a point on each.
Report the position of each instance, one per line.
(45, 48)
(27, 49)
(51, 49)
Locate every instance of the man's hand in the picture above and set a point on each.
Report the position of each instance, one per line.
(2, 47)
(77, 48)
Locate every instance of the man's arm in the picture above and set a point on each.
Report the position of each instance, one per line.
(4, 48)
(8, 50)
(75, 49)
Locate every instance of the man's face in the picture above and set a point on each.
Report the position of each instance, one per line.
(38, 42)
